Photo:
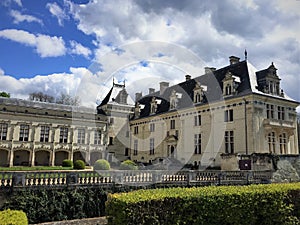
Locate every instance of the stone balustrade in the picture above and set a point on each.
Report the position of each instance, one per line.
(132, 178)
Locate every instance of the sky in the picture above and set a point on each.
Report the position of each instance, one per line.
(79, 46)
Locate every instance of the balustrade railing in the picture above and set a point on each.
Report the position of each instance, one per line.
(134, 178)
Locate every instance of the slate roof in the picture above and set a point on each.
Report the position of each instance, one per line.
(243, 71)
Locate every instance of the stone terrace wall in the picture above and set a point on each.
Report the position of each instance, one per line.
(89, 221)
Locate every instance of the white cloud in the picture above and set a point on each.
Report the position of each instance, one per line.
(79, 49)
(58, 12)
(268, 30)
(18, 17)
(45, 46)
(7, 3)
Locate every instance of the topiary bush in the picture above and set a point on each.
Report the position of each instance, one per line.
(128, 165)
(102, 164)
(79, 165)
(13, 217)
(67, 163)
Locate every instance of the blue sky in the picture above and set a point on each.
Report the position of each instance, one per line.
(77, 46)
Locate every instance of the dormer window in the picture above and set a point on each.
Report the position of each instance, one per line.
(268, 81)
(153, 105)
(137, 110)
(173, 100)
(198, 93)
(230, 83)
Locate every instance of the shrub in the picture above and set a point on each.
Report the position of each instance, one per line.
(128, 165)
(234, 205)
(102, 164)
(79, 165)
(67, 163)
(45, 205)
(13, 217)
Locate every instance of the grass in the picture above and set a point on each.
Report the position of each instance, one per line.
(34, 168)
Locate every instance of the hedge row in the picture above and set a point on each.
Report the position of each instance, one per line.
(227, 205)
(13, 217)
(58, 204)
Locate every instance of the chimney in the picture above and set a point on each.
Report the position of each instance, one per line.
(209, 69)
(187, 77)
(138, 96)
(151, 90)
(233, 60)
(163, 86)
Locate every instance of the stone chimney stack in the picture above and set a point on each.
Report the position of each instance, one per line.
(187, 77)
(151, 90)
(163, 86)
(233, 60)
(209, 69)
(138, 96)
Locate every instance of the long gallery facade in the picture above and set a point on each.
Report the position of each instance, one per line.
(37, 133)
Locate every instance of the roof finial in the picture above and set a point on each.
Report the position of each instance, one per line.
(245, 55)
(113, 81)
(124, 82)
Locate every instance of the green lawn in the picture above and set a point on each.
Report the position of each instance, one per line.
(34, 168)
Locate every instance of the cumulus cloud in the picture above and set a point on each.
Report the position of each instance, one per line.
(79, 49)
(45, 46)
(58, 12)
(212, 30)
(18, 17)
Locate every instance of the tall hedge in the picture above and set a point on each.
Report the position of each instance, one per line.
(43, 205)
(13, 217)
(226, 205)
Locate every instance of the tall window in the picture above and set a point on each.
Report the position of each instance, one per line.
(152, 127)
(283, 143)
(197, 144)
(3, 131)
(280, 111)
(63, 135)
(44, 137)
(228, 90)
(172, 124)
(81, 136)
(135, 147)
(229, 142)
(228, 115)
(97, 137)
(271, 142)
(24, 132)
(270, 111)
(136, 130)
(197, 97)
(151, 146)
(197, 120)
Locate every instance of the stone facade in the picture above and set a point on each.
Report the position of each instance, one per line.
(36, 133)
(232, 110)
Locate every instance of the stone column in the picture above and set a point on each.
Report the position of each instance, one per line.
(11, 157)
(32, 153)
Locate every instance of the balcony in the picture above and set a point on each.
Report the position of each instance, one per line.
(273, 123)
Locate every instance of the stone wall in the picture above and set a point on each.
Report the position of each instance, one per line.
(288, 169)
(88, 221)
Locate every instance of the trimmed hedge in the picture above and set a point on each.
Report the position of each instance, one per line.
(79, 165)
(128, 165)
(226, 205)
(102, 164)
(67, 163)
(45, 205)
(13, 217)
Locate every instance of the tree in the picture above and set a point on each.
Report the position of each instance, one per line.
(41, 97)
(4, 94)
(67, 99)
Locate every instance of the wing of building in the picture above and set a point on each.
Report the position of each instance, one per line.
(37, 133)
(228, 111)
